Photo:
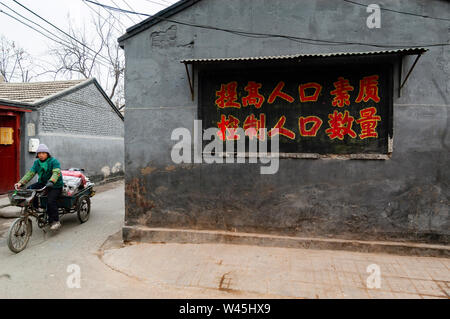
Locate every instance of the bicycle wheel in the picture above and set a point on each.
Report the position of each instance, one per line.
(84, 208)
(19, 234)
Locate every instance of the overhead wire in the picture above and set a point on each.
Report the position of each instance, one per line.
(129, 18)
(33, 22)
(105, 19)
(40, 32)
(110, 14)
(62, 31)
(161, 4)
(268, 35)
(62, 42)
(128, 5)
(45, 35)
(397, 11)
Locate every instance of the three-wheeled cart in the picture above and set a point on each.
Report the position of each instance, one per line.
(22, 228)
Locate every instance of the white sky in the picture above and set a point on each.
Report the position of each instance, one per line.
(58, 11)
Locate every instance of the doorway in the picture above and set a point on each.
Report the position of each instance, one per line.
(9, 150)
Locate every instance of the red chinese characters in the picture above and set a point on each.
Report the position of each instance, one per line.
(340, 125)
(311, 117)
(312, 131)
(342, 87)
(368, 122)
(228, 128)
(227, 96)
(309, 98)
(368, 89)
(253, 97)
(252, 126)
(277, 92)
(280, 129)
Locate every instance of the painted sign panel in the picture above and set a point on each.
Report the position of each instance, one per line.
(324, 110)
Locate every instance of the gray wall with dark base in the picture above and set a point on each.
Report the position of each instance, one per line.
(101, 158)
(403, 198)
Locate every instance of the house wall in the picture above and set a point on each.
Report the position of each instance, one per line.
(81, 130)
(402, 198)
(27, 158)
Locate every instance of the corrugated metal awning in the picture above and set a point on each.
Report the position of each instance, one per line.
(406, 51)
(289, 58)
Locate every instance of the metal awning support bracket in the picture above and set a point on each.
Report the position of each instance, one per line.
(190, 78)
(409, 72)
(400, 69)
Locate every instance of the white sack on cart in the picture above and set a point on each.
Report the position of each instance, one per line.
(71, 185)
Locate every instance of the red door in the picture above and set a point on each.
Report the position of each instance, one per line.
(9, 153)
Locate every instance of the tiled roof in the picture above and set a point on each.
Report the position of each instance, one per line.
(33, 92)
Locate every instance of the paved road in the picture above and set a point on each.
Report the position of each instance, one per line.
(199, 271)
(284, 272)
(40, 271)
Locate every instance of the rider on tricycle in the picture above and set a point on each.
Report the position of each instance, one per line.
(49, 172)
(45, 200)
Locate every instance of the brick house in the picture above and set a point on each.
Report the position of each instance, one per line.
(75, 119)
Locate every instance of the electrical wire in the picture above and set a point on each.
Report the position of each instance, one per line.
(396, 11)
(105, 6)
(45, 35)
(99, 14)
(110, 15)
(129, 18)
(63, 43)
(128, 5)
(35, 23)
(168, 2)
(268, 35)
(73, 38)
(161, 4)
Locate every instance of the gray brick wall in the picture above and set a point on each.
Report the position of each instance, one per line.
(84, 112)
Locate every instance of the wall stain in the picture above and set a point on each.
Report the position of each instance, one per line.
(170, 168)
(147, 170)
(136, 194)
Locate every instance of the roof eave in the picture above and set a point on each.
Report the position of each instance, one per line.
(99, 87)
(16, 103)
(78, 87)
(63, 92)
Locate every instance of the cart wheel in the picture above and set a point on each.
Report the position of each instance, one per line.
(84, 208)
(19, 234)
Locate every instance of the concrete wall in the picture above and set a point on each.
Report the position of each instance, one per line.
(81, 130)
(403, 198)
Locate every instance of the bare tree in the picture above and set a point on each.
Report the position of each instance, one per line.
(15, 62)
(93, 54)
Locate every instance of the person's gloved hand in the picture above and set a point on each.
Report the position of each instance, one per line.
(49, 185)
(17, 185)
